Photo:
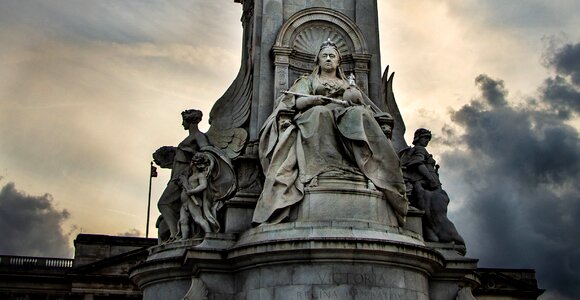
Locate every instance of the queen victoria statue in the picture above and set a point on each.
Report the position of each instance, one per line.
(303, 186)
(325, 126)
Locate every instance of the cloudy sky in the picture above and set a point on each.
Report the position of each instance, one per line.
(89, 89)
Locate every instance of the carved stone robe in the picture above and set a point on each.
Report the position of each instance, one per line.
(320, 139)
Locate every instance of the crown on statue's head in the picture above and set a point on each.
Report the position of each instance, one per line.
(328, 43)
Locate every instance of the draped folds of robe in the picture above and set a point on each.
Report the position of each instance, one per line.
(222, 184)
(320, 139)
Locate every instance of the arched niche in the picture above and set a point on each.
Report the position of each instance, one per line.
(300, 38)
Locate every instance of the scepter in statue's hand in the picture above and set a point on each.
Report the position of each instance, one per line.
(336, 101)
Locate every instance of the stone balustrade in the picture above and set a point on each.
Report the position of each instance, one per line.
(39, 262)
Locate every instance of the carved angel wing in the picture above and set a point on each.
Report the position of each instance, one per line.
(229, 114)
(232, 141)
(392, 108)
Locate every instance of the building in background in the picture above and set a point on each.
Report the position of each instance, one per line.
(100, 268)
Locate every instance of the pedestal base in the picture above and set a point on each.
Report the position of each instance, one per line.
(301, 260)
(344, 197)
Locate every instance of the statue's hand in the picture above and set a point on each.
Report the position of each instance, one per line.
(303, 103)
(319, 100)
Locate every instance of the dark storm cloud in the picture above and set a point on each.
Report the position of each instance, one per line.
(493, 91)
(31, 225)
(566, 61)
(561, 95)
(520, 173)
(562, 91)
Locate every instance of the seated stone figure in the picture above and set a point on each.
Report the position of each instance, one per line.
(425, 192)
(314, 130)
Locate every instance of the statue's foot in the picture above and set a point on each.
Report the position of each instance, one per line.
(170, 240)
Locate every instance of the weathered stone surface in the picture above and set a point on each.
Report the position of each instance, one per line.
(298, 260)
(345, 200)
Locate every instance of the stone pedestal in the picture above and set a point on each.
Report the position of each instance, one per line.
(457, 274)
(332, 260)
(344, 198)
(300, 260)
(343, 244)
(163, 275)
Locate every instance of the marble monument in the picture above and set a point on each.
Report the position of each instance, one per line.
(304, 187)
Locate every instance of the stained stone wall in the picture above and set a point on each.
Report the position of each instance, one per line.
(328, 281)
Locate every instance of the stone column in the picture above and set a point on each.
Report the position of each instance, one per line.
(281, 63)
(361, 71)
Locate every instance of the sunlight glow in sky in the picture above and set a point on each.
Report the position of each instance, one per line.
(89, 89)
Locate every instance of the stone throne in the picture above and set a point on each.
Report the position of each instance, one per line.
(355, 252)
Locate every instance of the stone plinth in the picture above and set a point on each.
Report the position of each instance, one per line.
(332, 260)
(458, 272)
(300, 260)
(163, 275)
(345, 198)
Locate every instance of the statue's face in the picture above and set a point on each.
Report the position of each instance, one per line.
(424, 141)
(328, 59)
(387, 130)
(185, 124)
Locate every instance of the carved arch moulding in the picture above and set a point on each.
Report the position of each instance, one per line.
(300, 37)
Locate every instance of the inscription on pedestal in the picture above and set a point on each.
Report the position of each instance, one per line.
(337, 285)
(367, 279)
(359, 294)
